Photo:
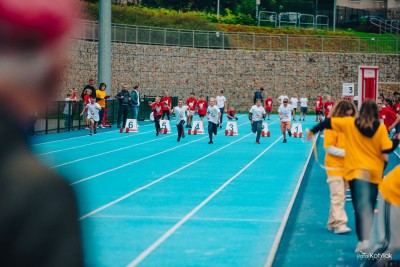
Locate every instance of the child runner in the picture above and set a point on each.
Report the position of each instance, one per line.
(180, 115)
(256, 116)
(231, 114)
(319, 104)
(268, 106)
(366, 141)
(303, 107)
(191, 102)
(166, 102)
(213, 116)
(328, 105)
(285, 115)
(294, 101)
(157, 112)
(93, 110)
(202, 107)
(334, 162)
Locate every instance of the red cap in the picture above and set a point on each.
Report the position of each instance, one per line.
(35, 22)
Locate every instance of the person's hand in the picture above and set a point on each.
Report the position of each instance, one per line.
(251, 121)
(310, 135)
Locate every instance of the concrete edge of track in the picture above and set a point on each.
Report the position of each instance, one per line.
(278, 237)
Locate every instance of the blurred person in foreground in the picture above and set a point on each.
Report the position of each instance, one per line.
(38, 212)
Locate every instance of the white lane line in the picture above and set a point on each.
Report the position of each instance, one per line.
(77, 137)
(167, 234)
(111, 151)
(158, 180)
(141, 159)
(91, 143)
(252, 220)
(278, 237)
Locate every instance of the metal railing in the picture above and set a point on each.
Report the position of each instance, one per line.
(88, 30)
(61, 116)
(386, 26)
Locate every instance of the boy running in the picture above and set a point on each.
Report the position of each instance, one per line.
(213, 116)
(256, 116)
(180, 115)
(285, 114)
(93, 117)
(157, 112)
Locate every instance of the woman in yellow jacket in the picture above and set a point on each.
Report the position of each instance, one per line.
(334, 144)
(366, 141)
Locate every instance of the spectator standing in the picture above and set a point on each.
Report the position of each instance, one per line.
(328, 105)
(319, 104)
(90, 86)
(101, 100)
(303, 107)
(294, 101)
(258, 95)
(166, 102)
(268, 106)
(124, 98)
(282, 97)
(68, 111)
(135, 96)
(221, 104)
(202, 107)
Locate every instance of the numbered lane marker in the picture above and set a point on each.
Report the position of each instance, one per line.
(198, 127)
(131, 126)
(231, 128)
(297, 130)
(165, 126)
(265, 131)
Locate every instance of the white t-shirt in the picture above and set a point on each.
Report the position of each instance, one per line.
(180, 113)
(303, 102)
(257, 112)
(286, 112)
(282, 97)
(294, 102)
(220, 101)
(93, 111)
(213, 112)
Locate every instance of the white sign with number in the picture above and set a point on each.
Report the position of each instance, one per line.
(348, 89)
(264, 128)
(231, 126)
(297, 130)
(198, 126)
(132, 125)
(164, 124)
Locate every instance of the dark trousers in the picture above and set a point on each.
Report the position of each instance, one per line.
(165, 112)
(157, 123)
(222, 114)
(257, 127)
(363, 196)
(212, 129)
(180, 128)
(122, 114)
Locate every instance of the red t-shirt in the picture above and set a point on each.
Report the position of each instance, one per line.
(86, 99)
(166, 102)
(397, 109)
(318, 105)
(231, 113)
(328, 106)
(191, 103)
(157, 109)
(202, 107)
(268, 104)
(388, 116)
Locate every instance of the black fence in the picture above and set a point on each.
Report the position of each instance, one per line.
(63, 116)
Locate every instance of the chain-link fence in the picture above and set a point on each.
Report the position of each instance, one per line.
(89, 30)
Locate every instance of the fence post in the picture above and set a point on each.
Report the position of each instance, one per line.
(287, 43)
(322, 43)
(79, 112)
(137, 34)
(254, 41)
(165, 36)
(223, 40)
(208, 40)
(126, 27)
(58, 116)
(179, 37)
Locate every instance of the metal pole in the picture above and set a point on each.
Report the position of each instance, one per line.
(334, 15)
(218, 8)
(105, 52)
